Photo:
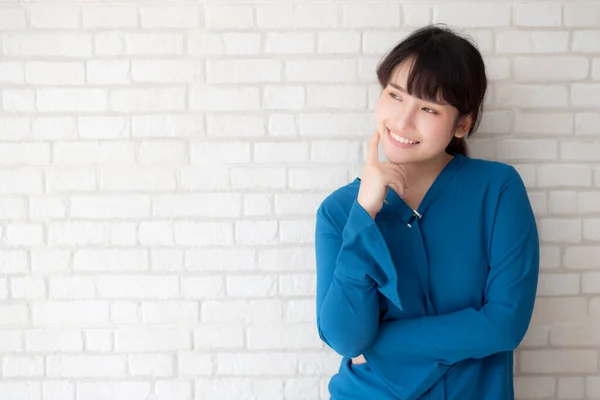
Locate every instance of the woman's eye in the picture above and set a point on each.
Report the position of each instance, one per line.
(429, 110)
(394, 96)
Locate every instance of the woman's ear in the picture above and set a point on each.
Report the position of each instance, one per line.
(464, 126)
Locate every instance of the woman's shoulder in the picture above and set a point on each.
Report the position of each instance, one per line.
(489, 172)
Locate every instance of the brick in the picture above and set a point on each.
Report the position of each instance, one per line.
(586, 41)
(50, 260)
(531, 96)
(54, 73)
(536, 336)
(257, 204)
(125, 312)
(13, 208)
(12, 72)
(18, 100)
(255, 232)
(570, 388)
(279, 153)
(300, 311)
(377, 15)
(218, 337)
(527, 150)
(54, 340)
(220, 259)
(155, 233)
(109, 43)
(69, 313)
(580, 257)
(147, 43)
(166, 126)
(77, 233)
(72, 100)
(309, 178)
(173, 390)
(116, 206)
(110, 260)
(72, 288)
(251, 286)
(535, 387)
(173, 312)
(284, 98)
(291, 43)
(211, 389)
(229, 16)
(27, 288)
(588, 202)
(59, 390)
(25, 154)
(243, 71)
(297, 231)
(236, 126)
(560, 230)
(203, 233)
(242, 311)
(44, 207)
(215, 205)
(226, 43)
(138, 287)
(559, 361)
(111, 17)
(54, 16)
(85, 366)
(212, 98)
(416, 15)
(98, 340)
(591, 284)
(297, 203)
(13, 262)
(585, 95)
(338, 42)
(518, 42)
(282, 125)
(21, 181)
(104, 127)
(335, 125)
(48, 44)
(148, 99)
(22, 366)
(21, 390)
(14, 315)
(562, 202)
(380, 43)
(166, 16)
(297, 16)
(205, 178)
(564, 175)
(329, 71)
(337, 97)
(585, 14)
(473, 15)
(51, 128)
(286, 259)
(151, 365)
(258, 178)
(163, 153)
(203, 287)
(559, 309)
(107, 72)
(114, 390)
(563, 68)
(193, 364)
(12, 18)
(272, 364)
(596, 69)
(558, 284)
(166, 260)
(592, 387)
(167, 71)
(540, 123)
(134, 340)
(544, 14)
(297, 285)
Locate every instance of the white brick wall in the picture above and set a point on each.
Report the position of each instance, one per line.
(161, 164)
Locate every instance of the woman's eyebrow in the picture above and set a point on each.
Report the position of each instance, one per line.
(403, 90)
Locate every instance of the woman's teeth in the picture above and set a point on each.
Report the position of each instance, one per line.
(401, 139)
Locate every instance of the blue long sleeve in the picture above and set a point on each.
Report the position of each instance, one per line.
(412, 355)
(349, 281)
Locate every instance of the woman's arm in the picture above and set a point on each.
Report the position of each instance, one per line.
(349, 278)
(428, 345)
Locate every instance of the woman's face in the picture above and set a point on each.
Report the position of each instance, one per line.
(412, 129)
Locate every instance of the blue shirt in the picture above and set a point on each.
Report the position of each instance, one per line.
(436, 299)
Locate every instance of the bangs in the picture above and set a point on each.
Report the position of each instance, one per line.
(444, 69)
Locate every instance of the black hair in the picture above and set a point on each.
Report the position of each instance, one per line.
(446, 67)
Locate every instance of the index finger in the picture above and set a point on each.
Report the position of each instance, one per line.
(373, 153)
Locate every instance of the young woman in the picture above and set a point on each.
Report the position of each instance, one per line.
(427, 265)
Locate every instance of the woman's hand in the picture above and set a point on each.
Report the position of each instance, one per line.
(359, 360)
(377, 177)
